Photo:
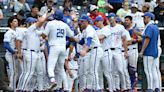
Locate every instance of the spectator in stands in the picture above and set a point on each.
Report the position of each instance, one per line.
(31, 2)
(117, 4)
(21, 5)
(21, 17)
(67, 17)
(78, 2)
(137, 16)
(104, 6)
(145, 8)
(39, 3)
(1, 13)
(153, 4)
(34, 12)
(122, 12)
(94, 13)
(50, 5)
(67, 4)
(159, 13)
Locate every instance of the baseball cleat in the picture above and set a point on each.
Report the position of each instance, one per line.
(51, 86)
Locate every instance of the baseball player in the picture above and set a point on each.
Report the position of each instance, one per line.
(9, 45)
(125, 62)
(56, 31)
(20, 44)
(40, 74)
(32, 51)
(117, 39)
(82, 63)
(91, 45)
(105, 63)
(149, 50)
(133, 51)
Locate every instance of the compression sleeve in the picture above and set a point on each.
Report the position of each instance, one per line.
(89, 41)
(7, 46)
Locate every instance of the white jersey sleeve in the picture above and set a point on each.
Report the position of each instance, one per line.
(7, 36)
(123, 30)
(89, 32)
(105, 31)
(128, 37)
(20, 33)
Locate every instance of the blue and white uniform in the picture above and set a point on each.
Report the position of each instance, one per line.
(12, 69)
(151, 53)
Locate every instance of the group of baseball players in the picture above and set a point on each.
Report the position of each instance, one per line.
(48, 56)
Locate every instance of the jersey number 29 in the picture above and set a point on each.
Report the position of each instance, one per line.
(60, 33)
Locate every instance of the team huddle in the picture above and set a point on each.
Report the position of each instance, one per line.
(49, 56)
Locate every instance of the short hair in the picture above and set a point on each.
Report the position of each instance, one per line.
(35, 6)
(10, 20)
(129, 17)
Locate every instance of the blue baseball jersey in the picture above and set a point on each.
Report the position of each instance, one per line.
(151, 32)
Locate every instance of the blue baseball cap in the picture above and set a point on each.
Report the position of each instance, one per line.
(84, 17)
(111, 15)
(118, 19)
(149, 14)
(30, 20)
(58, 15)
(99, 18)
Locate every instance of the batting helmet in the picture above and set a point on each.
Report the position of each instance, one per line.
(58, 15)
(30, 20)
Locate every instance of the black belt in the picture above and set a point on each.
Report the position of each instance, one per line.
(124, 50)
(33, 50)
(106, 50)
(114, 48)
(92, 48)
(132, 48)
(74, 69)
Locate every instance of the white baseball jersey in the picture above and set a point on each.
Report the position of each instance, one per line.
(106, 32)
(90, 32)
(10, 37)
(117, 32)
(32, 38)
(128, 37)
(56, 34)
(21, 32)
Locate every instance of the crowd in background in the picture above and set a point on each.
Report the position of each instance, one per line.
(36, 8)
(73, 9)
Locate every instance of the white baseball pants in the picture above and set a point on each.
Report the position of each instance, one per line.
(57, 55)
(93, 62)
(156, 72)
(105, 68)
(12, 70)
(150, 70)
(83, 71)
(118, 72)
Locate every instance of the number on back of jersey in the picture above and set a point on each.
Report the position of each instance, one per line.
(60, 33)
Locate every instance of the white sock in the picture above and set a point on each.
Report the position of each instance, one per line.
(52, 79)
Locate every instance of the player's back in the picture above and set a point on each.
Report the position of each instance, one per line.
(57, 32)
